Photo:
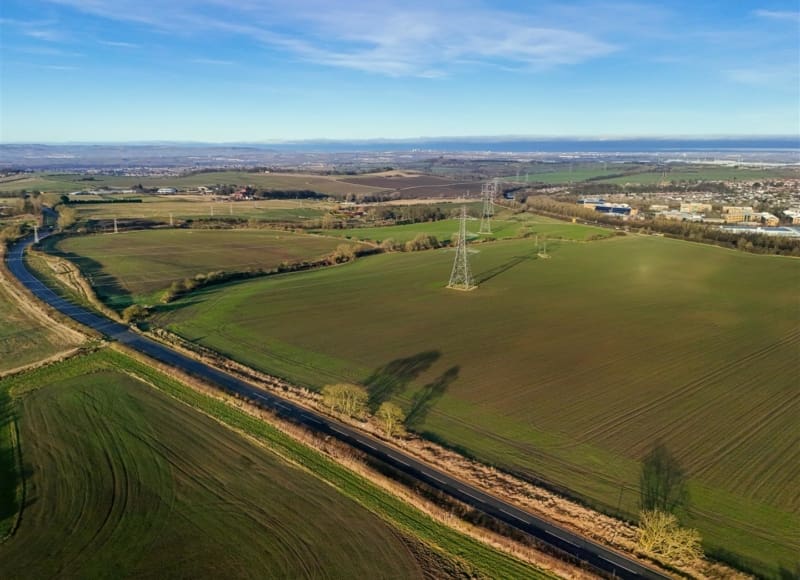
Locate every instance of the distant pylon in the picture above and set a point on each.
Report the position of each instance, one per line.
(461, 277)
(171, 220)
(35, 234)
(487, 195)
(116, 229)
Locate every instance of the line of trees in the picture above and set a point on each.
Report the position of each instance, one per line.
(352, 401)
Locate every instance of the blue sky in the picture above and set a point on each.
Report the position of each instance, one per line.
(264, 70)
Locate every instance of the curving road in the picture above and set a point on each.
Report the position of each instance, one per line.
(590, 552)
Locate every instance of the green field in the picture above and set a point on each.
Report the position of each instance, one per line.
(706, 173)
(504, 227)
(682, 172)
(565, 174)
(196, 207)
(69, 182)
(123, 476)
(24, 340)
(124, 481)
(135, 266)
(565, 369)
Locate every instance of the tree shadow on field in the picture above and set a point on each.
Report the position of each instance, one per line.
(10, 477)
(393, 377)
(176, 305)
(430, 394)
(504, 267)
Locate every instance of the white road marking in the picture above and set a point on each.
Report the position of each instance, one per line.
(513, 516)
(617, 565)
(464, 491)
(562, 538)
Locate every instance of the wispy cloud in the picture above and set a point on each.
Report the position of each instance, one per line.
(763, 76)
(212, 61)
(412, 38)
(118, 44)
(38, 29)
(58, 67)
(790, 15)
(48, 51)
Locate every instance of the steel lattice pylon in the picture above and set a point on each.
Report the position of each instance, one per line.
(461, 276)
(488, 192)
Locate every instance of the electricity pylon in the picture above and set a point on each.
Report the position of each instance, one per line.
(116, 229)
(487, 195)
(461, 277)
(35, 234)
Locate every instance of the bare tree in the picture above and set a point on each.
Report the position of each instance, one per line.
(346, 398)
(660, 535)
(391, 417)
(67, 217)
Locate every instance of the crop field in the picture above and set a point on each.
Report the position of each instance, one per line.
(444, 230)
(566, 369)
(125, 481)
(196, 207)
(415, 186)
(66, 182)
(567, 174)
(134, 266)
(23, 339)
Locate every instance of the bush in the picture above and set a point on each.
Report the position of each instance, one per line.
(135, 313)
(422, 242)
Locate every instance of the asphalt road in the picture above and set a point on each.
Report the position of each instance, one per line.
(576, 545)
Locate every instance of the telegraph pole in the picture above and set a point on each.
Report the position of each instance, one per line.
(460, 276)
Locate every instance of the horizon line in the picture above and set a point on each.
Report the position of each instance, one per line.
(511, 137)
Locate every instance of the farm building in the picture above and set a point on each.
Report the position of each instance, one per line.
(167, 190)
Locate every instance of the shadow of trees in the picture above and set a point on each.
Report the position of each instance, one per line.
(395, 376)
(428, 396)
(9, 472)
